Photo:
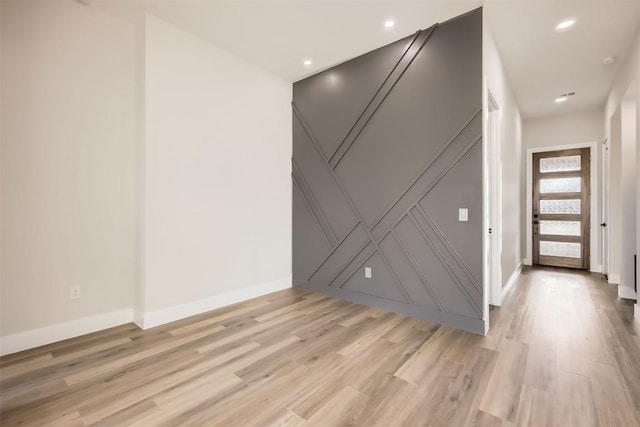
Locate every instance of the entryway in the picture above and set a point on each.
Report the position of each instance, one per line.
(561, 208)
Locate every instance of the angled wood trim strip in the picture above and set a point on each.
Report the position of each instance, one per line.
(430, 187)
(352, 205)
(379, 97)
(333, 250)
(449, 247)
(423, 278)
(313, 215)
(447, 167)
(355, 269)
(314, 205)
(463, 290)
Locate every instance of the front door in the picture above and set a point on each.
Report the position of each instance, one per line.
(561, 200)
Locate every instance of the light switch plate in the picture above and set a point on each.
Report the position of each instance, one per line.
(367, 272)
(463, 214)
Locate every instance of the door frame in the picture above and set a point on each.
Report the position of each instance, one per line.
(494, 148)
(604, 214)
(489, 201)
(594, 244)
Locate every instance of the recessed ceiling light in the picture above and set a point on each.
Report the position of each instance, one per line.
(307, 62)
(563, 97)
(389, 23)
(609, 60)
(565, 25)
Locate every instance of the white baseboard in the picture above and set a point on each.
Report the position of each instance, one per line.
(613, 278)
(62, 331)
(86, 325)
(512, 280)
(636, 311)
(177, 312)
(596, 269)
(626, 292)
(527, 261)
(138, 318)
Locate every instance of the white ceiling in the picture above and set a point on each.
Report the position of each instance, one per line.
(540, 63)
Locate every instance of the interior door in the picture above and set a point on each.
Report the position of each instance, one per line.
(561, 201)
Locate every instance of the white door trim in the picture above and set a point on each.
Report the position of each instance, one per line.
(604, 211)
(595, 263)
(494, 126)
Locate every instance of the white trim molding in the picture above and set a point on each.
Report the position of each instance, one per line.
(596, 268)
(626, 292)
(62, 331)
(177, 312)
(138, 317)
(613, 278)
(512, 280)
(636, 311)
(86, 325)
(594, 248)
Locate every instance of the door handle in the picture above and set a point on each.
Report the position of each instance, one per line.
(604, 224)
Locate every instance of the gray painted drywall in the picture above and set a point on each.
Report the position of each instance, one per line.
(386, 148)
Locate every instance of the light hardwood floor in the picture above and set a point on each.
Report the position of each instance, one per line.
(562, 351)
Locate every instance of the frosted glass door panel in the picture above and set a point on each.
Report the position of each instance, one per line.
(560, 228)
(560, 185)
(561, 249)
(570, 206)
(560, 164)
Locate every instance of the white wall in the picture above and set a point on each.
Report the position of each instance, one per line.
(628, 78)
(568, 130)
(68, 170)
(622, 210)
(138, 162)
(629, 74)
(614, 221)
(628, 214)
(218, 186)
(563, 129)
(511, 152)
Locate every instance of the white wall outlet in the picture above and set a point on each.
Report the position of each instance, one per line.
(463, 214)
(74, 292)
(367, 272)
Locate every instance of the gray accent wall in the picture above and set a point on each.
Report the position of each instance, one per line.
(386, 148)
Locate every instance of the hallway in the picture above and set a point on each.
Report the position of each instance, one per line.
(562, 351)
(569, 349)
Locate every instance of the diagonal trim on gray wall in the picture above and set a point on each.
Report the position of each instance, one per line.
(437, 167)
(394, 76)
(312, 204)
(387, 196)
(311, 210)
(423, 277)
(372, 241)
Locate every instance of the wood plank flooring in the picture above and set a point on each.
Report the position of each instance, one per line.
(562, 351)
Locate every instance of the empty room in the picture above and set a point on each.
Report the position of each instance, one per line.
(319, 213)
